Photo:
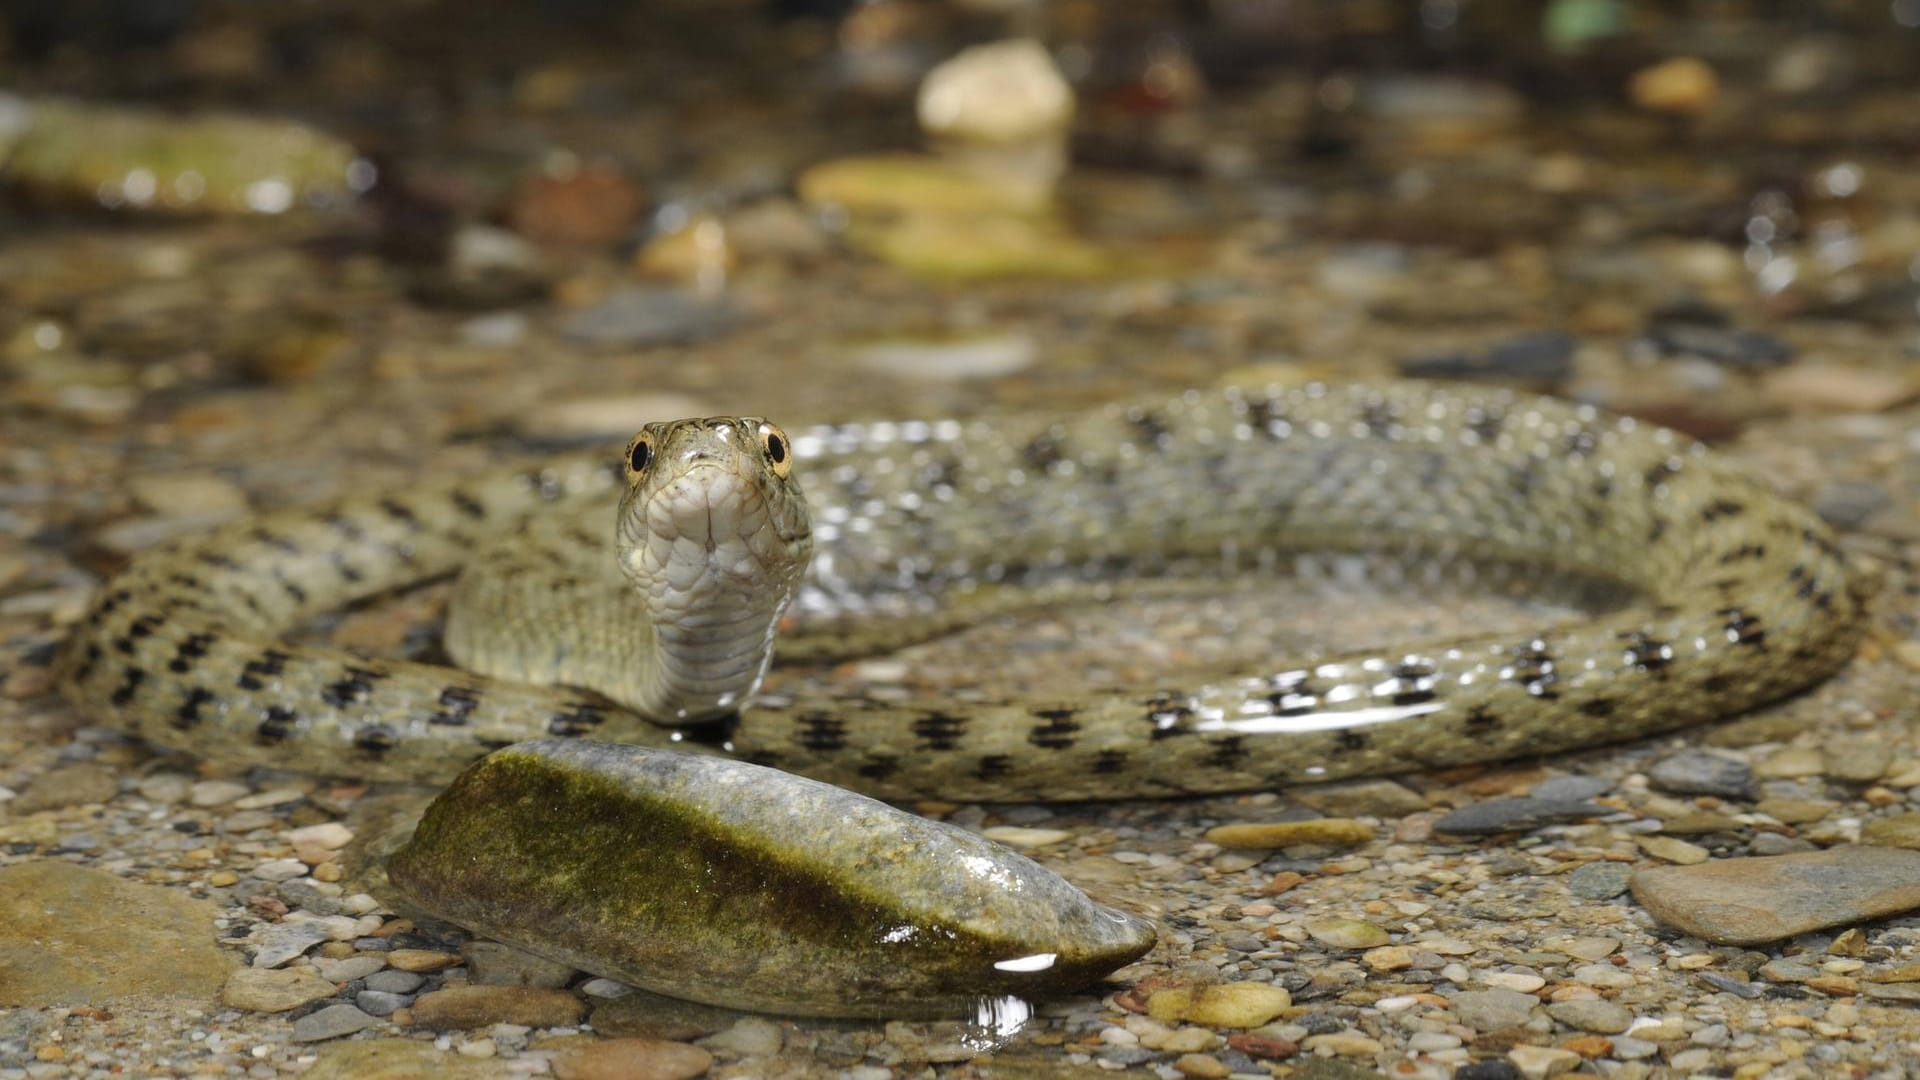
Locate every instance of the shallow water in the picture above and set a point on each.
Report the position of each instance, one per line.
(1289, 190)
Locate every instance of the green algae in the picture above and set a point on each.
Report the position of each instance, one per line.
(736, 885)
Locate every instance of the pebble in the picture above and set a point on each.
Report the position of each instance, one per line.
(1186, 1040)
(496, 330)
(394, 982)
(1343, 1043)
(279, 796)
(165, 788)
(1571, 788)
(381, 1002)
(187, 494)
(77, 784)
(1591, 1014)
(274, 990)
(1684, 84)
(1603, 975)
(331, 1023)
(1524, 982)
(1600, 880)
(632, 1059)
(1221, 1005)
(584, 203)
(458, 1008)
(395, 1059)
(1332, 832)
(1492, 1010)
(1894, 830)
(1432, 1042)
(1674, 850)
(421, 959)
(280, 870)
(1793, 811)
(1541, 1061)
(1721, 345)
(491, 963)
(1840, 388)
(1630, 1049)
(1851, 505)
(979, 358)
(1750, 901)
(326, 836)
(605, 416)
(1700, 772)
(277, 944)
(1362, 798)
(1856, 760)
(1544, 357)
(1024, 838)
(1515, 814)
(1347, 933)
(644, 315)
(1201, 1066)
(209, 793)
(750, 1036)
(1263, 1044)
(1792, 763)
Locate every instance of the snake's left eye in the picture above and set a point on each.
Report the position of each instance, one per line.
(639, 454)
(779, 451)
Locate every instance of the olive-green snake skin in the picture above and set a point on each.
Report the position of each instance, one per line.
(1743, 597)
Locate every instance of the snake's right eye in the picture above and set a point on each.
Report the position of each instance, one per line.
(639, 454)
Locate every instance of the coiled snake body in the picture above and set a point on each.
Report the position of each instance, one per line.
(1743, 597)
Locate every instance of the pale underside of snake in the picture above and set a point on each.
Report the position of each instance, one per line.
(1741, 597)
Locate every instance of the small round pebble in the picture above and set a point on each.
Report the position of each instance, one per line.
(1600, 880)
(1700, 772)
(750, 1036)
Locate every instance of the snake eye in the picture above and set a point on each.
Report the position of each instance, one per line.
(779, 453)
(639, 454)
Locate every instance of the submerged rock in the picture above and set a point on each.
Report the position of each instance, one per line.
(736, 885)
(132, 159)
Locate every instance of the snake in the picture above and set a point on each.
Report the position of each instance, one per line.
(637, 597)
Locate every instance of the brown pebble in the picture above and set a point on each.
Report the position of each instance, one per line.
(421, 959)
(462, 1007)
(1261, 1046)
(1336, 832)
(69, 785)
(591, 205)
(633, 1059)
(1202, 1067)
(1751, 901)
(1589, 1046)
(1281, 882)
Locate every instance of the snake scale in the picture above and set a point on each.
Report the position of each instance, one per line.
(1741, 597)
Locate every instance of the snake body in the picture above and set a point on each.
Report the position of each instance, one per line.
(1743, 597)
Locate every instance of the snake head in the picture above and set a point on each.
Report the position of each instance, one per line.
(711, 513)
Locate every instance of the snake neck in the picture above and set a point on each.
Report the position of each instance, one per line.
(707, 662)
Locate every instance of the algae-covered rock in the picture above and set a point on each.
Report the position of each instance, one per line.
(134, 159)
(736, 885)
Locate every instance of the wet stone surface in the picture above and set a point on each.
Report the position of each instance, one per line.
(788, 895)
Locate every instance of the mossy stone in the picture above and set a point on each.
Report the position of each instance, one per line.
(721, 882)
